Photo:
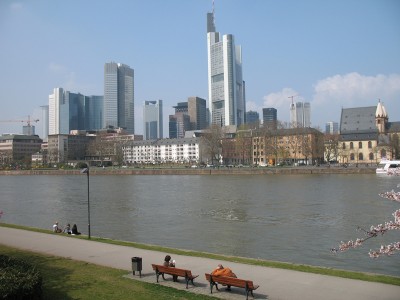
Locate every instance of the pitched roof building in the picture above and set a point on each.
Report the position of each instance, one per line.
(367, 136)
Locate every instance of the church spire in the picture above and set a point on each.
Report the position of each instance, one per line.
(381, 117)
(380, 111)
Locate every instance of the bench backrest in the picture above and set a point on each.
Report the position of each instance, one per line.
(172, 270)
(231, 281)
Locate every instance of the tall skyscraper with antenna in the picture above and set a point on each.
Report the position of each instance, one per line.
(226, 88)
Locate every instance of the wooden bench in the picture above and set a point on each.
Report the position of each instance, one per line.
(187, 274)
(231, 281)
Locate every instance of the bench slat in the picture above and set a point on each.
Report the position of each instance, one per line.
(231, 281)
(161, 270)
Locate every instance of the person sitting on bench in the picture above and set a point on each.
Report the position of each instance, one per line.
(221, 271)
(169, 263)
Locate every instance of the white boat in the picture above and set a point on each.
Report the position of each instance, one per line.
(386, 165)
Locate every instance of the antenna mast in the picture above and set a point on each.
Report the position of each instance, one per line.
(213, 12)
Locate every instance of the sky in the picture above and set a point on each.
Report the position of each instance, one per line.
(334, 54)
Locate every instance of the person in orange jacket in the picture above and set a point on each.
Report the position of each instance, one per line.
(221, 271)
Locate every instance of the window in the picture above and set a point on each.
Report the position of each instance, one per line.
(344, 146)
(360, 156)
(383, 153)
(359, 145)
(371, 156)
(369, 145)
(351, 145)
(352, 156)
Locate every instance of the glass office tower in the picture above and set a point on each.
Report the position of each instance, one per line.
(152, 120)
(226, 89)
(119, 98)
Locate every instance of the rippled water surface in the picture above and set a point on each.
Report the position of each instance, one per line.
(276, 217)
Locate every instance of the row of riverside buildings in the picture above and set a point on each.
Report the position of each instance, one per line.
(366, 136)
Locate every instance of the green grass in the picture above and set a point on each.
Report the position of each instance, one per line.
(272, 264)
(68, 279)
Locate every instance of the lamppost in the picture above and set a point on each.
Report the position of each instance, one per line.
(83, 171)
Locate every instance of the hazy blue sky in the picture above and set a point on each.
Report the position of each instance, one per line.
(334, 54)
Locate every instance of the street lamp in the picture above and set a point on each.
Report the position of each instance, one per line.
(83, 171)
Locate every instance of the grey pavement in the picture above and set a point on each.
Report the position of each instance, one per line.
(275, 284)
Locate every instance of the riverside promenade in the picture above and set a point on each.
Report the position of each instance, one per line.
(275, 284)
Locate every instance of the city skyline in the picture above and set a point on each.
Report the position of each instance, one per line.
(332, 54)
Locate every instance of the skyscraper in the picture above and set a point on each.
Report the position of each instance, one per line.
(152, 120)
(270, 117)
(59, 112)
(226, 88)
(45, 122)
(252, 117)
(119, 98)
(331, 128)
(300, 114)
(179, 123)
(94, 112)
(197, 110)
(70, 111)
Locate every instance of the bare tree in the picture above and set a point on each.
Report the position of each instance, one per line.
(331, 143)
(212, 142)
(243, 144)
(101, 147)
(395, 145)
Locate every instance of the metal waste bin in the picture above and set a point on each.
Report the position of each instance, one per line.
(137, 265)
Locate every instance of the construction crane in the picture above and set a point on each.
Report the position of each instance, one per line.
(293, 97)
(28, 122)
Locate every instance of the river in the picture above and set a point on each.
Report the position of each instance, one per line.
(290, 218)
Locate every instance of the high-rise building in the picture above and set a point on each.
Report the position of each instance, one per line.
(56, 100)
(180, 122)
(190, 115)
(300, 114)
(226, 88)
(252, 117)
(152, 120)
(94, 111)
(70, 111)
(270, 117)
(119, 98)
(331, 128)
(45, 122)
(66, 111)
(197, 111)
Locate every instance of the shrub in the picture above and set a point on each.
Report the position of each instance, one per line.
(19, 279)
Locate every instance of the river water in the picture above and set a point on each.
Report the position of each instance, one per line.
(291, 218)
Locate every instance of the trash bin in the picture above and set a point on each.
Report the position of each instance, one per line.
(137, 265)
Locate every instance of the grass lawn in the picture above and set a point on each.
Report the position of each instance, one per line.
(68, 279)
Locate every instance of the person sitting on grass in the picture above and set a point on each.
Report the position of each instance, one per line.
(67, 229)
(56, 229)
(74, 230)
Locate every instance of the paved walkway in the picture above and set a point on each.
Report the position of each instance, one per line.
(274, 283)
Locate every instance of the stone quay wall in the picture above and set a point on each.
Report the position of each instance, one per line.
(201, 171)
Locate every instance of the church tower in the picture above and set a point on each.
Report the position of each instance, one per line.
(381, 118)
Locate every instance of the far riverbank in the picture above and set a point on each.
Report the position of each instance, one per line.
(201, 171)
